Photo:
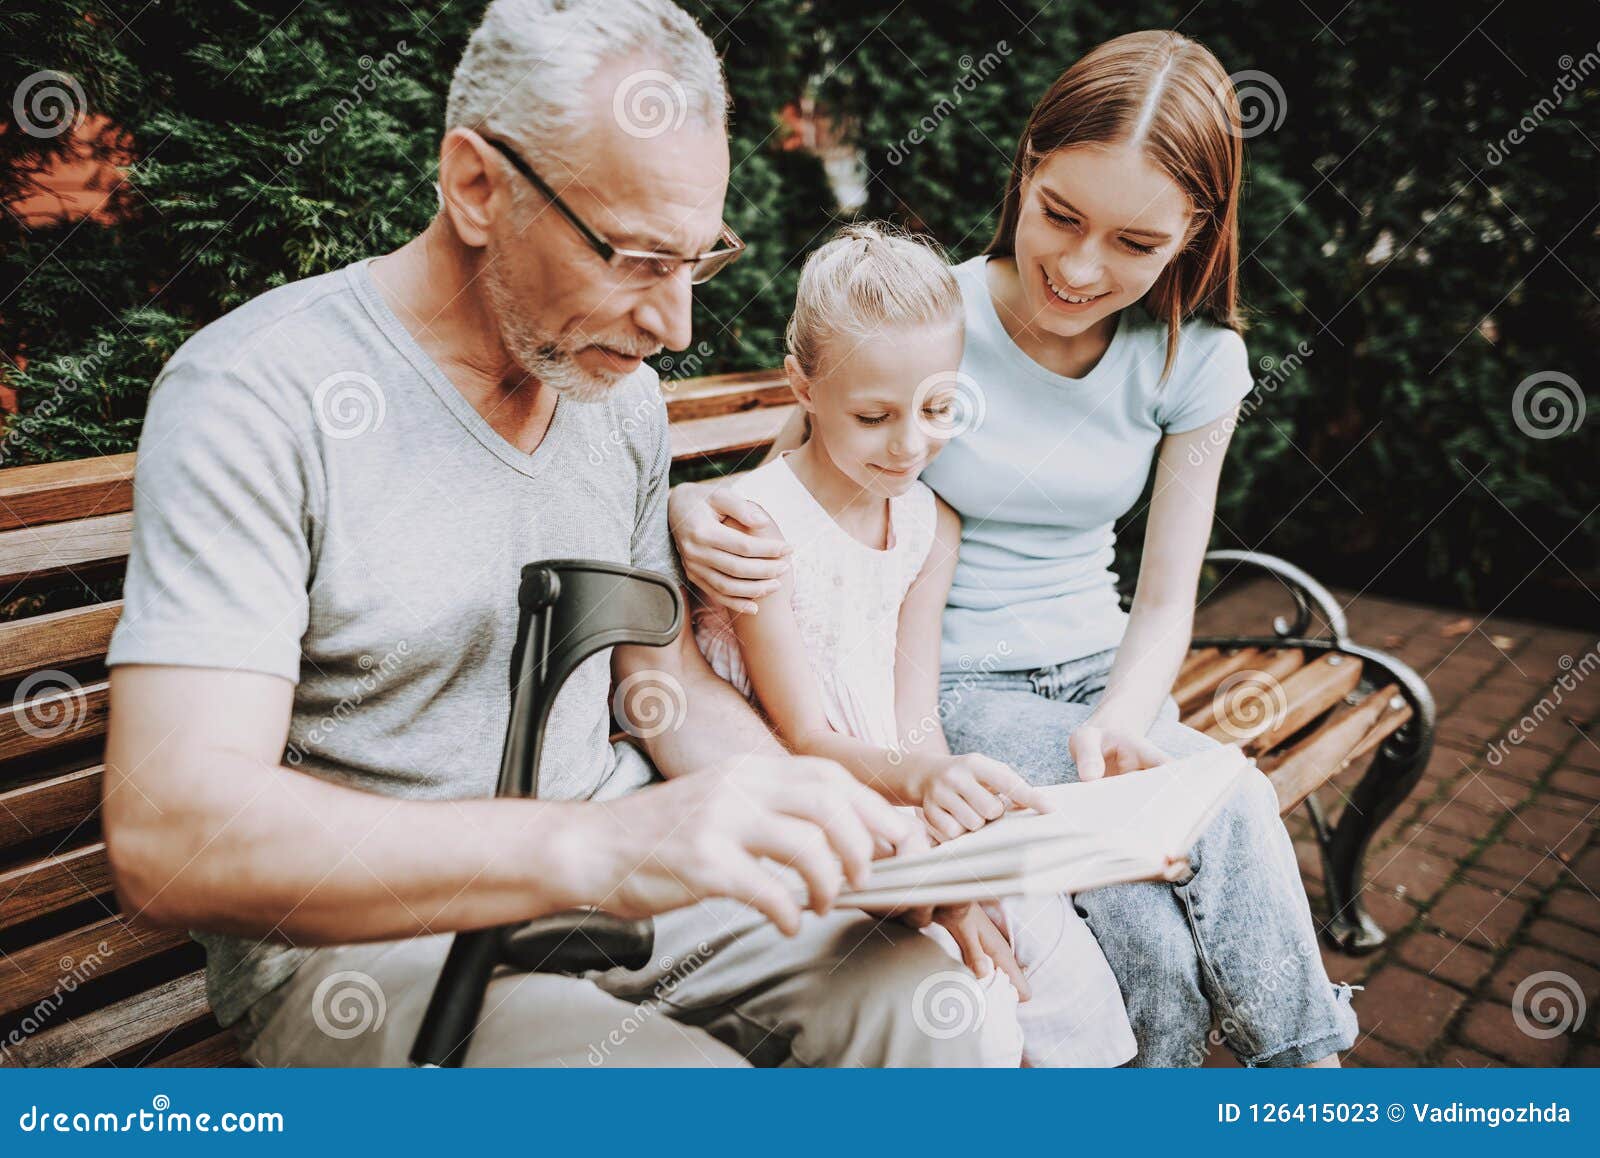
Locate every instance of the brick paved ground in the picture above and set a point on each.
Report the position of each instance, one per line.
(1490, 873)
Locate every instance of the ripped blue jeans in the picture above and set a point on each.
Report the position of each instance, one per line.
(1233, 943)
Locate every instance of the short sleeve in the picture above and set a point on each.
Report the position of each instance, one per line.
(1208, 381)
(651, 546)
(221, 557)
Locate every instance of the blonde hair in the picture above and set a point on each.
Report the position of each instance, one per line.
(1169, 96)
(867, 277)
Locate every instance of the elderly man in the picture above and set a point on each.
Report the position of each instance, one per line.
(338, 484)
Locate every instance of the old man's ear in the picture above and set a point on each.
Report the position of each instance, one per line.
(473, 186)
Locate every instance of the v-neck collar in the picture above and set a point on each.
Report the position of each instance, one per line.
(524, 462)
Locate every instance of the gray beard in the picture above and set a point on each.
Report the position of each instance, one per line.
(541, 354)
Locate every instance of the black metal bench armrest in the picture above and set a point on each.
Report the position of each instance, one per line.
(1308, 594)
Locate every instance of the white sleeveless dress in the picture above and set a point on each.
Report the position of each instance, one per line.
(847, 599)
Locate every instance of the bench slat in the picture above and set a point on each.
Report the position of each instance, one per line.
(728, 433)
(59, 548)
(1274, 667)
(53, 883)
(219, 1051)
(689, 398)
(53, 492)
(140, 1021)
(54, 805)
(38, 971)
(1191, 689)
(65, 715)
(1305, 694)
(1334, 747)
(59, 639)
(1194, 660)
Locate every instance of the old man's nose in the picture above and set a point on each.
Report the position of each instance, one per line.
(664, 312)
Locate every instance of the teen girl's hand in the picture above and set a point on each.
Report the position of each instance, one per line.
(1100, 751)
(731, 551)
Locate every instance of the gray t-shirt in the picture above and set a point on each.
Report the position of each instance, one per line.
(316, 501)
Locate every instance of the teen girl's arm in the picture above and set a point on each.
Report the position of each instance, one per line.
(1182, 508)
(732, 564)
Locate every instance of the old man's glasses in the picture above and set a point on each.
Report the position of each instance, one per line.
(641, 266)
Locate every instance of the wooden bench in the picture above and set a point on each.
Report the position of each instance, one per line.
(85, 985)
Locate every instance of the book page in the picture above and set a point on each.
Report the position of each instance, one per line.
(1138, 826)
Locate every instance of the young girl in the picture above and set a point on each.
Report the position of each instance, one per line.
(1102, 335)
(844, 655)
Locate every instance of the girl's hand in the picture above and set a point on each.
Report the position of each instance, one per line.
(731, 563)
(963, 793)
(1099, 752)
(983, 946)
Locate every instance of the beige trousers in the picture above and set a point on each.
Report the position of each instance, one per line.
(725, 988)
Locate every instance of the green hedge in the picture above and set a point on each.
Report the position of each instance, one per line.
(1411, 260)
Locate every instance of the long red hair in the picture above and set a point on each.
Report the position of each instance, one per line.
(1191, 128)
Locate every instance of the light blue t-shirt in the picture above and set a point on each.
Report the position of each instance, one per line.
(1053, 463)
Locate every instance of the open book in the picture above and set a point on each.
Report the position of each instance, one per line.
(1138, 826)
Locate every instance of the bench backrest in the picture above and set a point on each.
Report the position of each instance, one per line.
(84, 983)
(87, 985)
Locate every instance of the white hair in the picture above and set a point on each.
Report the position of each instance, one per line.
(868, 277)
(526, 69)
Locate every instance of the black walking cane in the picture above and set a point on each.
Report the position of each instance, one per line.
(570, 609)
